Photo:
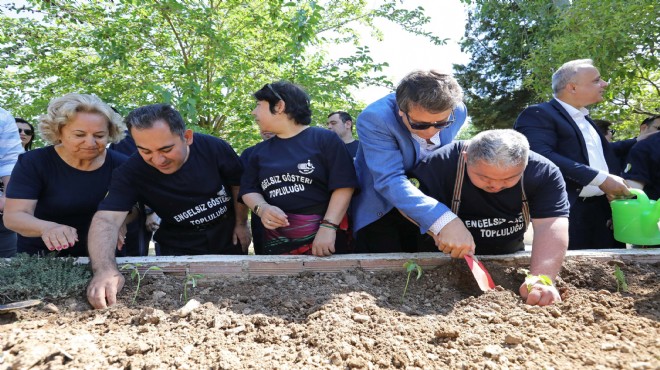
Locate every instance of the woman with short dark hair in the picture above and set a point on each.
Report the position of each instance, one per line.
(300, 181)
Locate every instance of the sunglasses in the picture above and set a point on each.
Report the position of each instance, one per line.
(27, 131)
(274, 92)
(426, 125)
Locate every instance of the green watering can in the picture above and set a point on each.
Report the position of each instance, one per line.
(635, 221)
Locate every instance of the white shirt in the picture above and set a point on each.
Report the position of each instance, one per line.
(594, 149)
(426, 148)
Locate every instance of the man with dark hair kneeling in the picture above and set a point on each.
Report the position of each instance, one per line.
(190, 180)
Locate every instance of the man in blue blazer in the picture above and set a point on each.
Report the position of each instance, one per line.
(396, 133)
(562, 131)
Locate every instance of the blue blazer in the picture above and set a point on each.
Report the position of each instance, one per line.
(387, 150)
(554, 134)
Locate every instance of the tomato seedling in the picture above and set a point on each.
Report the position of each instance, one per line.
(135, 275)
(410, 266)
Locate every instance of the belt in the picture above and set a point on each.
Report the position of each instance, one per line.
(193, 228)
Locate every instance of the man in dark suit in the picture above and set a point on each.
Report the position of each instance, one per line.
(562, 131)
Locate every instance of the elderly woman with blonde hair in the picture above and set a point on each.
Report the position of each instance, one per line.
(54, 191)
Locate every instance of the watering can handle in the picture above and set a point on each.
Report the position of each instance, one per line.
(641, 195)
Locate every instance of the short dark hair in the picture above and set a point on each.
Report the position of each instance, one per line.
(649, 120)
(144, 117)
(343, 115)
(603, 125)
(295, 99)
(431, 90)
(28, 146)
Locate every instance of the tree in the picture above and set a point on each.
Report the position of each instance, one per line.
(517, 45)
(500, 35)
(206, 57)
(623, 39)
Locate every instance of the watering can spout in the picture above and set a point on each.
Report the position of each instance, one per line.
(655, 213)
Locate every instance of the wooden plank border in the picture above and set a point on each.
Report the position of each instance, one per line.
(246, 266)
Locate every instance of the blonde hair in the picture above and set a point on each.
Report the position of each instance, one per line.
(61, 110)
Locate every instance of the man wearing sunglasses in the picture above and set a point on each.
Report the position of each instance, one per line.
(396, 133)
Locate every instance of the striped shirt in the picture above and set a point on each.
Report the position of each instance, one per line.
(10, 143)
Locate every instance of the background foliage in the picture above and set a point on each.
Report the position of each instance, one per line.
(517, 45)
(206, 57)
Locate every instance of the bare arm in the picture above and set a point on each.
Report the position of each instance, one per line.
(324, 242)
(107, 280)
(19, 217)
(548, 251)
(272, 217)
(241, 231)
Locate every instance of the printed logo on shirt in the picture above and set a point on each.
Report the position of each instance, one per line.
(222, 192)
(414, 181)
(496, 227)
(207, 211)
(306, 168)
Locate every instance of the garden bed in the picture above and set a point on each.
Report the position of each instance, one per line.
(352, 315)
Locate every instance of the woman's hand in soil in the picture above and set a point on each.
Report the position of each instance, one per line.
(272, 217)
(102, 290)
(59, 237)
(455, 239)
(324, 242)
(539, 294)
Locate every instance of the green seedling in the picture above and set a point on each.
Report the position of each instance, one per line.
(191, 279)
(530, 279)
(410, 266)
(135, 275)
(621, 285)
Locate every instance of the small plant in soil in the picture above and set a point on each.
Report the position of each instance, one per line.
(410, 266)
(135, 275)
(621, 285)
(530, 279)
(191, 279)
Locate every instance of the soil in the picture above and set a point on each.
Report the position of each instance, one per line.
(351, 320)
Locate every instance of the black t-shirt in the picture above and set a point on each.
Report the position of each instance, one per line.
(494, 218)
(64, 195)
(643, 165)
(299, 173)
(197, 194)
(352, 148)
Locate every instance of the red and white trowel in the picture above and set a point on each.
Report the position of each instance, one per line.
(477, 268)
(480, 273)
